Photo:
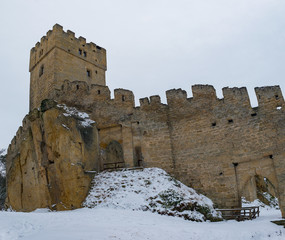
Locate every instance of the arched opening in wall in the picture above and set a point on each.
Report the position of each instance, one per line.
(261, 188)
(114, 156)
(138, 158)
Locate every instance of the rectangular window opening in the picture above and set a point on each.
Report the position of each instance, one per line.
(85, 54)
(88, 72)
(41, 72)
(230, 121)
(80, 51)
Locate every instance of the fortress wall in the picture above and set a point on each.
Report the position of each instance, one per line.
(210, 135)
(152, 121)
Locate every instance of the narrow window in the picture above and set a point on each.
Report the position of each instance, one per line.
(123, 98)
(77, 87)
(85, 54)
(88, 73)
(276, 97)
(98, 92)
(80, 51)
(214, 124)
(41, 70)
(96, 72)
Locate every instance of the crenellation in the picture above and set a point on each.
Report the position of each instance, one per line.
(49, 32)
(269, 97)
(100, 92)
(123, 96)
(82, 40)
(70, 34)
(204, 92)
(57, 28)
(155, 100)
(144, 102)
(176, 96)
(236, 96)
(43, 39)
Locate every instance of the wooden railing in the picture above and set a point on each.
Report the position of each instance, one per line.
(240, 214)
(113, 165)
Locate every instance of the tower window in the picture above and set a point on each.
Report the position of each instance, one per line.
(123, 98)
(85, 54)
(41, 72)
(96, 71)
(80, 51)
(88, 72)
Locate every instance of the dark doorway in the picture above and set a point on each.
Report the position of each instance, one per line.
(114, 156)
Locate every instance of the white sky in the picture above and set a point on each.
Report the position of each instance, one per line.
(152, 45)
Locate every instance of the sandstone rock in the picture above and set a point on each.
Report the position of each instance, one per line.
(51, 169)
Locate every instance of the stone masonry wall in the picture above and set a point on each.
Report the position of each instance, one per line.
(213, 145)
(59, 56)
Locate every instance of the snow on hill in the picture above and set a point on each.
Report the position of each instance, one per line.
(112, 215)
(150, 189)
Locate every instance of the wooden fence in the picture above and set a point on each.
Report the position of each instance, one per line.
(240, 214)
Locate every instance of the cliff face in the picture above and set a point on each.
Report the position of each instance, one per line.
(50, 162)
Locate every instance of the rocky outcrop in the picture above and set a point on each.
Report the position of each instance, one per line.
(51, 161)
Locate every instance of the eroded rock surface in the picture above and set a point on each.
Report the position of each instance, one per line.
(49, 166)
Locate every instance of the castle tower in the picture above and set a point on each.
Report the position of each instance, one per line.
(61, 56)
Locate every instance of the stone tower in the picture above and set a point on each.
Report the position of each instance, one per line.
(60, 56)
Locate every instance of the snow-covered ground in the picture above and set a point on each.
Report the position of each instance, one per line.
(124, 224)
(125, 205)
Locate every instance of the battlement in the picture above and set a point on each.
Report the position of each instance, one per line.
(236, 96)
(123, 96)
(269, 97)
(204, 91)
(176, 96)
(66, 41)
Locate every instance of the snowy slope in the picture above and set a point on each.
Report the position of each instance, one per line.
(149, 189)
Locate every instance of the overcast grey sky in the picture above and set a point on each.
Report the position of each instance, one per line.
(152, 45)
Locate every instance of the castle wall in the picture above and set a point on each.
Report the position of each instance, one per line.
(213, 145)
(217, 146)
